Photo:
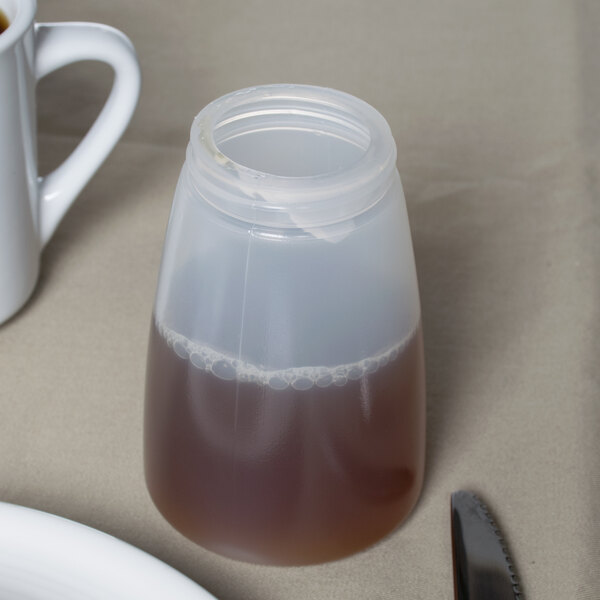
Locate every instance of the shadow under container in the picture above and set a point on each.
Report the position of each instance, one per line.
(285, 395)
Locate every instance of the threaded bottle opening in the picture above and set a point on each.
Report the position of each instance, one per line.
(291, 155)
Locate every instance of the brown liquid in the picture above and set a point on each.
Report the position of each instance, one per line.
(284, 476)
(4, 23)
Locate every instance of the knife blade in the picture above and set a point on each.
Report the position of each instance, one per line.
(482, 567)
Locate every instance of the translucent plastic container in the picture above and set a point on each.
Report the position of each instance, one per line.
(285, 403)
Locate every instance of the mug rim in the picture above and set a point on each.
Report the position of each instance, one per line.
(18, 25)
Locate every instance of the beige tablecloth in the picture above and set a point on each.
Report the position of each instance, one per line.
(495, 110)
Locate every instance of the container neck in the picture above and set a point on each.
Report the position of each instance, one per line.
(290, 156)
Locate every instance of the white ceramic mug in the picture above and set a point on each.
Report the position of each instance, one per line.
(30, 206)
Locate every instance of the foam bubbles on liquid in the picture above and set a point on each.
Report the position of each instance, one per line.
(300, 378)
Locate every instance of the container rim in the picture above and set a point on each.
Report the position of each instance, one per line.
(293, 201)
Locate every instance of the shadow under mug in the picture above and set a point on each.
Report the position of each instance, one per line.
(31, 206)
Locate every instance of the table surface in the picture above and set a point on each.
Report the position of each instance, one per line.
(495, 110)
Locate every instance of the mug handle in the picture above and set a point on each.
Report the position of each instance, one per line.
(57, 45)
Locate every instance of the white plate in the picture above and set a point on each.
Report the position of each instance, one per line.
(45, 557)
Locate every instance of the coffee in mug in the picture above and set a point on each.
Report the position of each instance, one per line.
(3, 22)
